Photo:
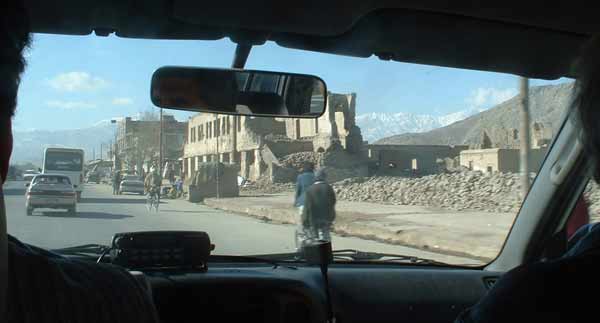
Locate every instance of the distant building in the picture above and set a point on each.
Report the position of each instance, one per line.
(500, 160)
(397, 160)
(138, 141)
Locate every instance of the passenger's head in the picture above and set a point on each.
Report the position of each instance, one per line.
(321, 175)
(14, 38)
(308, 167)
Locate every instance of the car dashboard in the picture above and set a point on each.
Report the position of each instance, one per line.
(360, 293)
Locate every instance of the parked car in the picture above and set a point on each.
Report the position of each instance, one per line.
(51, 191)
(132, 184)
(93, 177)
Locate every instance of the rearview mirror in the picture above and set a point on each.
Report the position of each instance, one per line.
(243, 92)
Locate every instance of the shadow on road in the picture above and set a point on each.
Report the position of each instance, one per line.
(112, 200)
(83, 215)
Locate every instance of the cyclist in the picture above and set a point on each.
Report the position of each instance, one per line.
(152, 183)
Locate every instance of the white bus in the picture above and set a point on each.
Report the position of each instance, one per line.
(65, 161)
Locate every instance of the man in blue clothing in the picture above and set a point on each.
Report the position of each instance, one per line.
(304, 181)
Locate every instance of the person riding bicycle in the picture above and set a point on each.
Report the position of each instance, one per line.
(152, 182)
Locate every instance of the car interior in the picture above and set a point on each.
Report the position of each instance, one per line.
(528, 40)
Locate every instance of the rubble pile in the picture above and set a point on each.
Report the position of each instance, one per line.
(264, 186)
(296, 160)
(456, 191)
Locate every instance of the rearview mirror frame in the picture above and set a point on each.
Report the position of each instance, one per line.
(185, 76)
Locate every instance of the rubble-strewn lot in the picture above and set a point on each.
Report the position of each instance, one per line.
(498, 192)
(454, 191)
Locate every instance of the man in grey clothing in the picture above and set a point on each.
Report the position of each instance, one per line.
(319, 208)
(304, 181)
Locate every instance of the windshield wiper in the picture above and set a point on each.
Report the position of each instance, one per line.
(368, 256)
(248, 259)
(87, 250)
(359, 256)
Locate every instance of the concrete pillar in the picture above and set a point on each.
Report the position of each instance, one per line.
(258, 164)
(244, 168)
(231, 158)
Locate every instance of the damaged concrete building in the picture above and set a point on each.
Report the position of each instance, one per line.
(260, 145)
(401, 160)
(503, 155)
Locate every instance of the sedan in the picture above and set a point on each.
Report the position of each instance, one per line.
(132, 184)
(51, 191)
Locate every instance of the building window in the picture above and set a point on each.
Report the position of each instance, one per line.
(210, 131)
(199, 133)
(207, 135)
(193, 134)
(217, 127)
(228, 125)
(239, 123)
(470, 165)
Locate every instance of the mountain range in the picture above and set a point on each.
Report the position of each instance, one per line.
(29, 145)
(546, 104)
(375, 125)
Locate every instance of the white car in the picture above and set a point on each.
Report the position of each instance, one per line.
(131, 184)
(51, 191)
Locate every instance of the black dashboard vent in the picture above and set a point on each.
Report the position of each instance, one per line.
(490, 282)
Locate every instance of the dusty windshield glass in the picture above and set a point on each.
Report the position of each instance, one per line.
(407, 159)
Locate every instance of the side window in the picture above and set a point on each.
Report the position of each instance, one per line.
(592, 199)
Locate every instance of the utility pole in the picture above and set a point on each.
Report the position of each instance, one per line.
(160, 144)
(217, 132)
(524, 135)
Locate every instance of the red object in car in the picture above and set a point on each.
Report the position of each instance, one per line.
(578, 218)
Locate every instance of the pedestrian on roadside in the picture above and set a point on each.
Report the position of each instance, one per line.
(319, 208)
(303, 182)
(116, 182)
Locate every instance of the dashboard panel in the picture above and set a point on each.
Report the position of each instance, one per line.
(360, 293)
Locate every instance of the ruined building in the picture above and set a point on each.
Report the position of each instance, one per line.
(259, 145)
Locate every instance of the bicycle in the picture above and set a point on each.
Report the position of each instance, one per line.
(152, 199)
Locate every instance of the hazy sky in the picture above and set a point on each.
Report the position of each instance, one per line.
(77, 81)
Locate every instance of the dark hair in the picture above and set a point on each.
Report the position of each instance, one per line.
(308, 166)
(586, 99)
(14, 38)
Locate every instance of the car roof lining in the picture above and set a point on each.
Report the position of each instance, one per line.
(540, 43)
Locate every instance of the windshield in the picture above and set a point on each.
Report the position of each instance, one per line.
(423, 161)
(44, 179)
(63, 161)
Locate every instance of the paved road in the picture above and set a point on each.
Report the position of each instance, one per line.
(101, 214)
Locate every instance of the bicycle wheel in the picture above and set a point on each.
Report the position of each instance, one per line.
(149, 202)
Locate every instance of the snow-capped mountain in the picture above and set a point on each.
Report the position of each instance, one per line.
(376, 125)
(29, 145)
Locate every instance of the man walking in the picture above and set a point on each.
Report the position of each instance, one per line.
(116, 182)
(304, 181)
(319, 208)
